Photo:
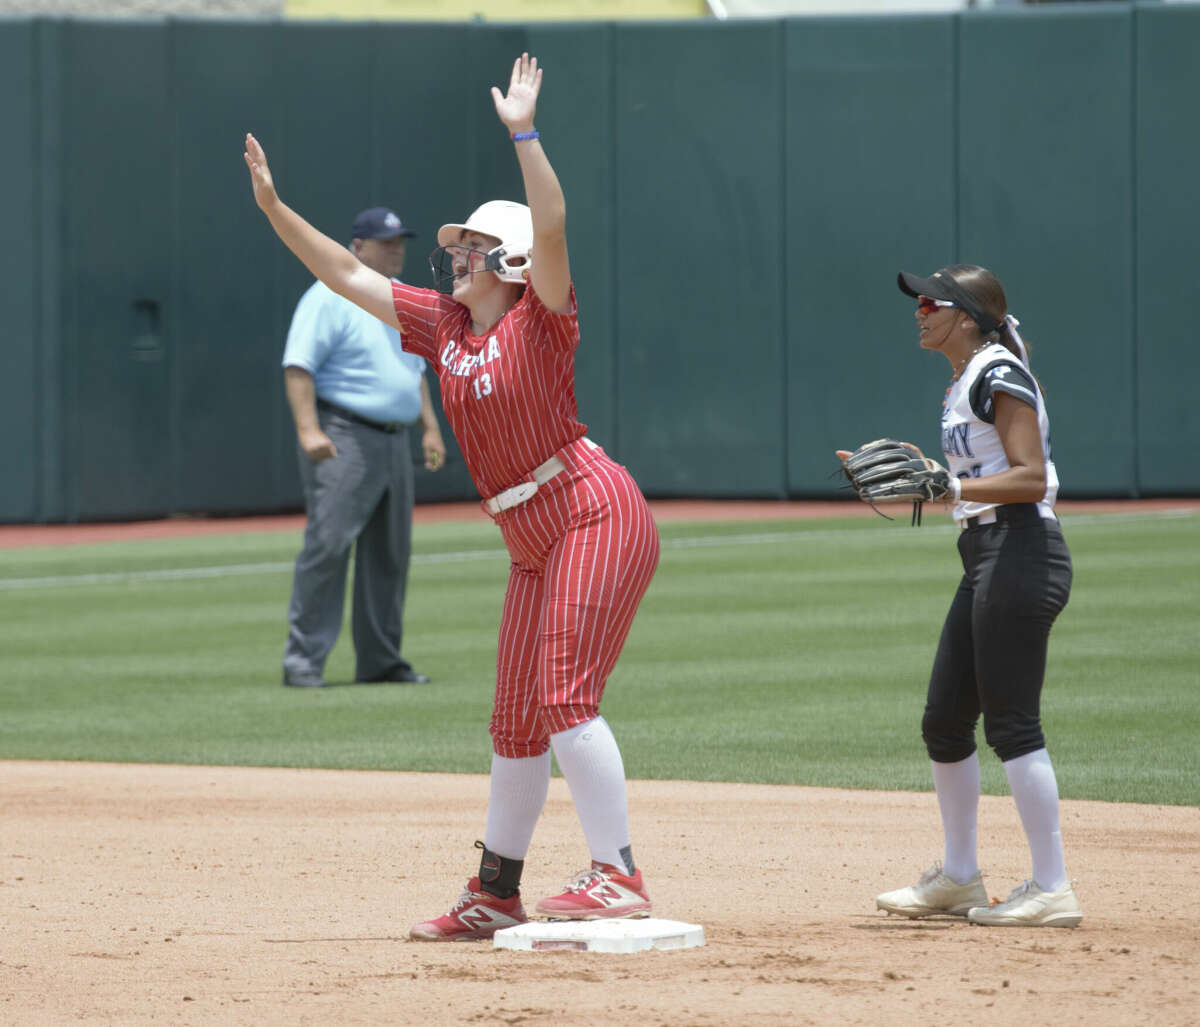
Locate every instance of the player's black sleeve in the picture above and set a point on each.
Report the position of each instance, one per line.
(1001, 376)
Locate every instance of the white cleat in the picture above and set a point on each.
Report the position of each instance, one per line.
(934, 895)
(1030, 906)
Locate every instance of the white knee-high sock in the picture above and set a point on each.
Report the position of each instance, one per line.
(1035, 791)
(590, 761)
(518, 793)
(957, 787)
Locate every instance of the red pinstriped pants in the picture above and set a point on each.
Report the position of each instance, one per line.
(583, 550)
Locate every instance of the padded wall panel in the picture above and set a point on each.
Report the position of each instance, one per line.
(1046, 159)
(50, 249)
(228, 408)
(118, 239)
(870, 191)
(699, 239)
(437, 151)
(575, 119)
(1168, 249)
(321, 157)
(20, 240)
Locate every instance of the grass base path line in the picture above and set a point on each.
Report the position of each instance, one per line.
(14, 536)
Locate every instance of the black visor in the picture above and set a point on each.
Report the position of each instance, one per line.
(941, 286)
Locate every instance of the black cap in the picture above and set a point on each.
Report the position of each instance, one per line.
(941, 286)
(380, 223)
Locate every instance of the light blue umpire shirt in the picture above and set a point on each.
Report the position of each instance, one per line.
(354, 358)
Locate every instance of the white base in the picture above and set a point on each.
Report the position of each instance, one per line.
(617, 935)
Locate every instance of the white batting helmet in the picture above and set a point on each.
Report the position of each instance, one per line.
(507, 221)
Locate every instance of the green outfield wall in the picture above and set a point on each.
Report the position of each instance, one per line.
(25, 463)
(740, 197)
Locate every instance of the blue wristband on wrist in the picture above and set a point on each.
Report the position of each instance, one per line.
(519, 137)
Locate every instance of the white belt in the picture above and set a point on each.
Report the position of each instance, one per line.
(989, 517)
(519, 494)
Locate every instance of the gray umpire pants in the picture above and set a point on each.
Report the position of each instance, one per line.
(361, 499)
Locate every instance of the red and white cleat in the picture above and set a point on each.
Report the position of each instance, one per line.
(477, 915)
(599, 893)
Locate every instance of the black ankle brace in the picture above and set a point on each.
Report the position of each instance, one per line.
(499, 876)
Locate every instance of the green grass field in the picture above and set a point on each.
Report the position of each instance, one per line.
(782, 651)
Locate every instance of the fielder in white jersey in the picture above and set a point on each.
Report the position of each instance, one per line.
(991, 658)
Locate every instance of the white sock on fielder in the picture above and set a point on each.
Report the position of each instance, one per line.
(957, 787)
(518, 793)
(590, 761)
(1035, 791)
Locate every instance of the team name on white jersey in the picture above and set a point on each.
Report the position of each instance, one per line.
(956, 439)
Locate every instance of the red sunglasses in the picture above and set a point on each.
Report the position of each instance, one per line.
(927, 305)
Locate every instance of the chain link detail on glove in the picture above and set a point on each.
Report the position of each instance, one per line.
(887, 471)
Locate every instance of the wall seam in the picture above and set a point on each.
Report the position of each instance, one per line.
(169, 322)
(956, 83)
(784, 334)
(40, 379)
(1135, 263)
(613, 243)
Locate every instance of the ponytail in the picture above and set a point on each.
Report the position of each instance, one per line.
(981, 295)
(1010, 339)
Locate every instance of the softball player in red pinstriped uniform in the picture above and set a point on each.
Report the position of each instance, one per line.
(501, 330)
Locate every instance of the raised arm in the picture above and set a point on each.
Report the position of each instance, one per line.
(326, 258)
(551, 271)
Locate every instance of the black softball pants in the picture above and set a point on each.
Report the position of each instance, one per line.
(991, 658)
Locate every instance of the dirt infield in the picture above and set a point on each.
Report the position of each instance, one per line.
(180, 895)
(140, 894)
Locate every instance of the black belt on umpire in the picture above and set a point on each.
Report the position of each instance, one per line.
(391, 427)
(1013, 513)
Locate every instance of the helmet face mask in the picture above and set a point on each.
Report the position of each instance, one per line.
(511, 260)
(448, 262)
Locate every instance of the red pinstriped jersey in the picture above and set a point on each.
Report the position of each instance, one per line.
(509, 394)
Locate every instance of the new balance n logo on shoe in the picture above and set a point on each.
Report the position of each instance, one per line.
(476, 917)
(602, 891)
(606, 894)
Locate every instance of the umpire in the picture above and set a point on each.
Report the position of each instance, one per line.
(353, 394)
